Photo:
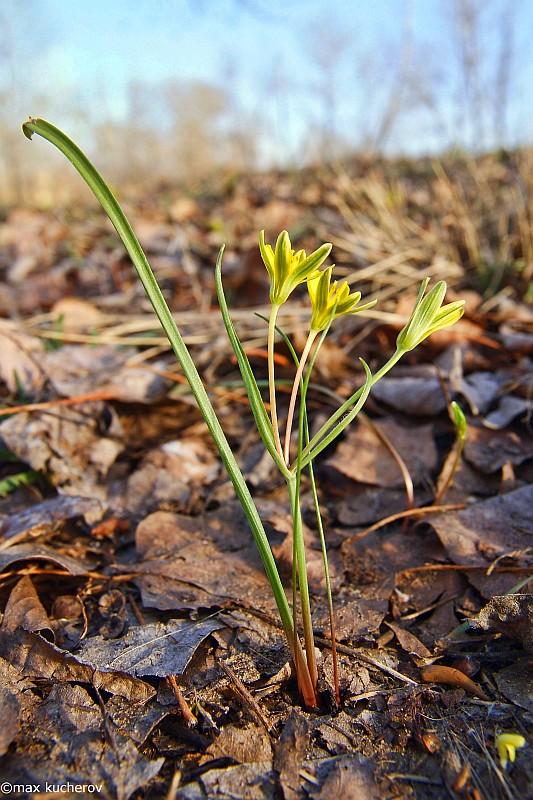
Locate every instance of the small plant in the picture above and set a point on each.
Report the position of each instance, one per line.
(507, 745)
(287, 270)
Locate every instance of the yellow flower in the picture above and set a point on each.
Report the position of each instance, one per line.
(329, 300)
(286, 268)
(508, 744)
(428, 316)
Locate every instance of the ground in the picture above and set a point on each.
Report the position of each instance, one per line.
(140, 649)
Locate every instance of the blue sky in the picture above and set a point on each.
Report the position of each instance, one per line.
(277, 58)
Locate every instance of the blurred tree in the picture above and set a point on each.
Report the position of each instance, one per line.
(328, 45)
(483, 35)
(196, 111)
(15, 16)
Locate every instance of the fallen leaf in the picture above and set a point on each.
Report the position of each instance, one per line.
(507, 410)
(349, 778)
(38, 658)
(17, 700)
(20, 365)
(77, 370)
(39, 552)
(10, 718)
(69, 724)
(410, 643)
(25, 610)
(362, 504)
(47, 513)
(416, 396)
(435, 673)
(489, 450)
(240, 782)
(354, 620)
(245, 745)
(289, 753)
(192, 562)
(515, 682)
(137, 720)
(166, 474)
(480, 389)
(73, 314)
(487, 530)
(67, 445)
(362, 457)
(511, 615)
(157, 649)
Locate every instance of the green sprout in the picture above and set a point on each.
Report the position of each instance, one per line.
(287, 269)
(454, 460)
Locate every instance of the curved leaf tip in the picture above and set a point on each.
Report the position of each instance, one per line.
(26, 130)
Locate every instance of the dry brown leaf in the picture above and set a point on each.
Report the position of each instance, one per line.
(354, 620)
(170, 473)
(68, 445)
(363, 458)
(73, 314)
(515, 682)
(157, 649)
(363, 505)
(191, 562)
(240, 782)
(20, 364)
(489, 450)
(487, 530)
(25, 610)
(45, 515)
(416, 396)
(511, 615)
(69, 726)
(435, 673)
(410, 643)
(10, 718)
(244, 744)
(289, 753)
(349, 778)
(77, 370)
(40, 552)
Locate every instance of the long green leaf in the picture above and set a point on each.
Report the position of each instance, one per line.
(110, 205)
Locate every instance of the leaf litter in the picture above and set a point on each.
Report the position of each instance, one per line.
(139, 647)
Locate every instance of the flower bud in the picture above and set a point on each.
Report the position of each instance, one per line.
(428, 316)
(329, 300)
(286, 268)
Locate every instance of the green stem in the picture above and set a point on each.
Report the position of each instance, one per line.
(295, 387)
(439, 497)
(329, 594)
(272, 378)
(297, 540)
(299, 554)
(323, 547)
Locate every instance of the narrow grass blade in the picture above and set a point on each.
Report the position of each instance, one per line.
(144, 271)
